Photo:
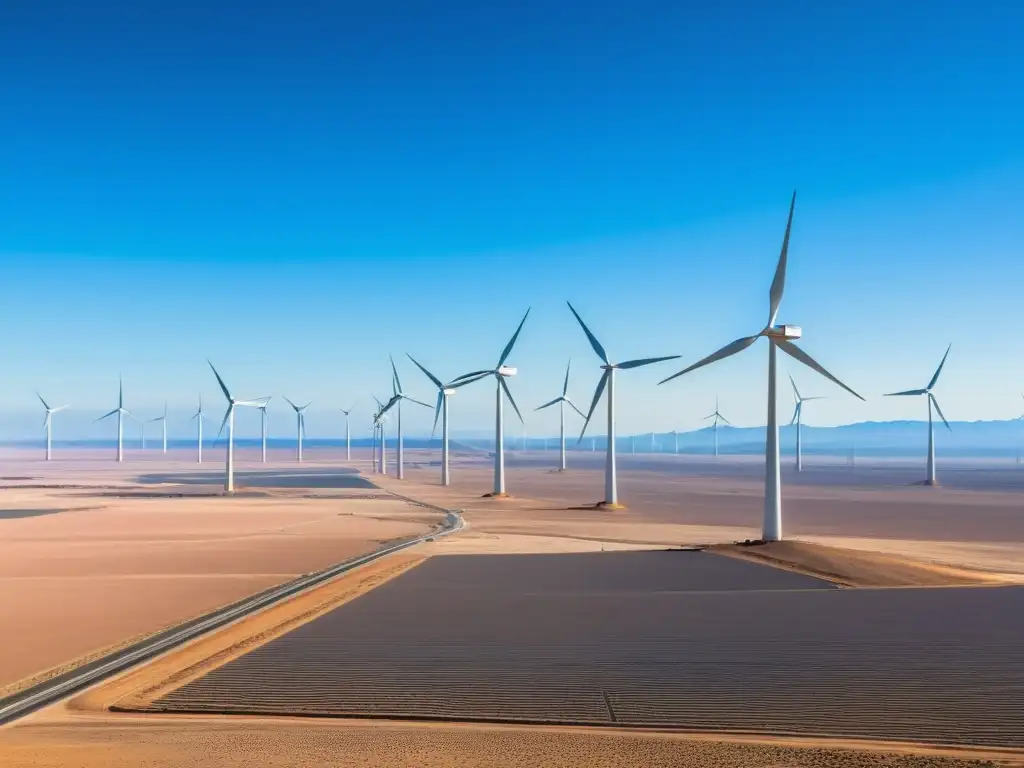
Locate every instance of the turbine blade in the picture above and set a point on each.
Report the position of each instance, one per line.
(593, 404)
(816, 397)
(796, 391)
(45, 405)
(710, 416)
(729, 349)
(223, 423)
(511, 342)
(478, 374)
(508, 394)
(573, 406)
(646, 361)
(939, 410)
(437, 409)
(565, 387)
(938, 370)
(593, 339)
(908, 392)
(394, 373)
(258, 403)
(779, 282)
(796, 412)
(550, 403)
(463, 382)
(795, 352)
(293, 405)
(60, 408)
(413, 400)
(429, 375)
(720, 416)
(106, 415)
(120, 392)
(223, 386)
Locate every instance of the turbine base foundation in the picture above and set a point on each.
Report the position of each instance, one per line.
(609, 505)
(494, 495)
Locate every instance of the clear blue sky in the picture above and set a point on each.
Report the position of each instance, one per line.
(296, 189)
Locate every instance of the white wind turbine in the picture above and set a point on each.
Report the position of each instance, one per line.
(300, 425)
(444, 391)
(121, 412)
(714, 425)
(348, 433)
(396, 400)
(48, 423)
(611, 488)
(561, 401)
(163, 423)
(798, 420)
(378, 424)
(500, 372)
(198, 418)
(229, 420)
(263, 431)
(779, 337)
(927, 391)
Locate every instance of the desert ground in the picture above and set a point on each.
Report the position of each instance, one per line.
(154, 524)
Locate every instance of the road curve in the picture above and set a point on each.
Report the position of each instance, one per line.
(51, 691)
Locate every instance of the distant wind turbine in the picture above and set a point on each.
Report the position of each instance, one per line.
(779, 337)
(348, 433)
(675, 441)
(263, 429)
(48, 423)
(927, 392)
(121, 412)
(198, 418)
(797, 419)
(396, 402)
(300, 425)
(229, 420)
(163, 423)
(714, 425)
(562, 401)
(500, 372)
(611, 490)
(444, 392)
(378, 422)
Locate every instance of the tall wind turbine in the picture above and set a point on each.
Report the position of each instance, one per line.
(378, 423)
(500, 372)
(779, 337)
(198, 418)
(163, 423)
(444, 391)
(121, 412)
(714, 425)
(797, 419)
(611, 488)
(562, 401)
(229, 420)
(300, 425)
(396, 400)
(263, 430)
(48, 423)
(348, 433)
(927, 391)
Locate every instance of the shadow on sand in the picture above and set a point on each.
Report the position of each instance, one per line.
(335, 477)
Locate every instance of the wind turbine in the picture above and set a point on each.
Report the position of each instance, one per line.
(779, 337)
(797, 414)
(163, 422)
(48, 423)
(229, 420)
(348, 433)
(611, 489)
(198, 418)
(396, 399)
(263, 430)
(378, 423)
(561, 401)
(714, 425)
(300, 425)
(121, 412)
(500, 372)
(927, 391)
(444, 391)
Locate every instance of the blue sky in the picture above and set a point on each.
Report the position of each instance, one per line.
(297, 189)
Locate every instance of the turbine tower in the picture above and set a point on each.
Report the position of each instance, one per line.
(198, 418)
(229, 420)
(500, 372)
(300, 425)
(263, 430)
(611, 489)
(797, 419)
(396, 400)
(714, 425)
(927, 391)
(348, 433)
(163, 423)
(562, 401)
(779, 337)
(121, 412)
(48, 423)
(444, 391)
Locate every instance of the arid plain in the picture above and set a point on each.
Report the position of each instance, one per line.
(122, 551)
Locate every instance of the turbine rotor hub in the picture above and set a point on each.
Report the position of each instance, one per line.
(783, 332)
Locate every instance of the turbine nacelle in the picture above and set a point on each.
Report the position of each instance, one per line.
(784, 332)
(448, 392)
(506, 370)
